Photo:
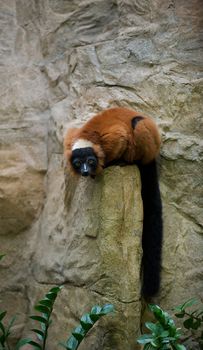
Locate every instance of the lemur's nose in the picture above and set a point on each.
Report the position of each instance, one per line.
(85, 173)
(84, 170)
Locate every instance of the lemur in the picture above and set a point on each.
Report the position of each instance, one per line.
(122, 135)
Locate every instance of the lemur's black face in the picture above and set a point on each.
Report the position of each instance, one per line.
(84, 161)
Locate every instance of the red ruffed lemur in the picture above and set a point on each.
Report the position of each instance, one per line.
(123, 135)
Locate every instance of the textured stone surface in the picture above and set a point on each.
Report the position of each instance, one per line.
(61, 62)
(95, 250)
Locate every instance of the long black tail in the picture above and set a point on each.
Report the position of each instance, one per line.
(152, 230)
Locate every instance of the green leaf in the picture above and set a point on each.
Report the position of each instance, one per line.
(39, 318)
(79, 333)
(11, 322)
(86, 321)
(55, 289)
(167, 340)
(171, 327)
(178, 308)
(188, 323)
(22, 342)
(43, 309)
(171, 323)
(156, 343)
(145, 339)
(188, 303)
(95, 317)
(199, 313)
(180, 314)
(96, 310)
(51, 296)
(151, 326)
(159, 329)
(196, 324)
(2, 341)
(72, 343)
(46, 302)
(158, 313)
(96, 313)
(166, 319)
(106, 309)
(2, 315)
(164, 334)
(1, 256)
(165, 347)
(177, 333)
(179, 347)
(2, 328)
(38, 332)
(148, 347)
(154, 307)
(43, 327)
(36, 345)
(27, 341)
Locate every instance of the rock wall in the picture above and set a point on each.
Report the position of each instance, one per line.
(60, 63)
(95, 250)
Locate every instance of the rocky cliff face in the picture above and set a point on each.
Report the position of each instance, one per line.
(61, 62)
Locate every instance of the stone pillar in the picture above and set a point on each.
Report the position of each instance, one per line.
(96, 254)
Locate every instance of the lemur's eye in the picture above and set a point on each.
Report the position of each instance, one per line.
(91, 161)
(77, 164)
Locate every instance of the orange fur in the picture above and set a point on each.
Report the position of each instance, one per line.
(114, 138)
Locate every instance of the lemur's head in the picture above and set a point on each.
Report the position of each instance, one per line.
(83, 159)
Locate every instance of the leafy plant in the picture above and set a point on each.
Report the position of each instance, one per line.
(87, 321)
(164, 334)
(45, 307)
(5, 331)
(193, 318)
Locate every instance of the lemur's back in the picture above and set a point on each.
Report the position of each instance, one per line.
(124, 133)
(111, 117)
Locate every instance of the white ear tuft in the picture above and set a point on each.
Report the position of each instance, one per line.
(81, 143)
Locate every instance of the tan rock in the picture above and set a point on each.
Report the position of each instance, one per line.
(60, 63)
(98, 258)
(21, 189)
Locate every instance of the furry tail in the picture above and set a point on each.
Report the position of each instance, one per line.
(152, 230)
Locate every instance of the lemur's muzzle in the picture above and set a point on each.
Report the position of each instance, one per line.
(85, 171)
